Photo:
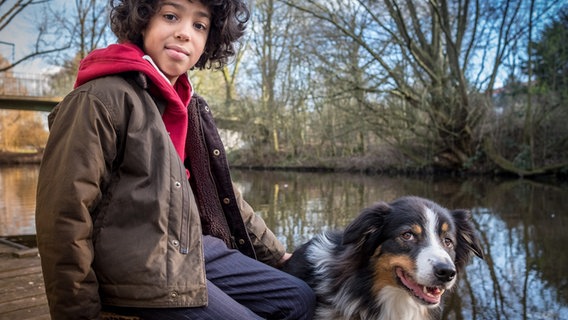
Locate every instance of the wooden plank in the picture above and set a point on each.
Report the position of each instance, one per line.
(20, 305)
(21, 288)
(22, 292)
(25, 271)
(40, 317)
(8, 263)
(40, 311)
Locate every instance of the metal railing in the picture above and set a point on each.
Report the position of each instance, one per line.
(24, 84)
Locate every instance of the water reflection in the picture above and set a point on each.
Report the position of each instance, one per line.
(17, 200)
(522, 226)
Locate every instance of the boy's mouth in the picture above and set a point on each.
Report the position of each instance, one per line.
(178, 49)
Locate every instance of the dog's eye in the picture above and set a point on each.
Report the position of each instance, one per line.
(448, 242)
(407, 236)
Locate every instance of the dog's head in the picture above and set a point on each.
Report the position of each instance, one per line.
(413, 244)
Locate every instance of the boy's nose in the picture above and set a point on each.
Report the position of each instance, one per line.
(182, 35)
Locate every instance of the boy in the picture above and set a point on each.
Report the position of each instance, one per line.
(136, 212)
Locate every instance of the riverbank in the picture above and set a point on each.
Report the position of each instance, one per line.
(353, 165)
(12, 158)
(371, 164)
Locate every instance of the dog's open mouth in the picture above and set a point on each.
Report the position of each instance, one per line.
(429, 295)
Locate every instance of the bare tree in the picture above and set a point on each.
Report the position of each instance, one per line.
(41, 47)
(271, 51)
(84, 26)
(266, 73)
(527, 135)
(435, 59)
(283, 69)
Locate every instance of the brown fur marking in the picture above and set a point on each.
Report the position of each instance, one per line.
(384, 274)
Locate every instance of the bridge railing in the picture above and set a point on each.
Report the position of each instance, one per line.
(24, 84)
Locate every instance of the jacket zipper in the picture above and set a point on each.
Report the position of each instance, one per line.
(184, 235)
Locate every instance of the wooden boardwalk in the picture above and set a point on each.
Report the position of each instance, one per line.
(22, 292)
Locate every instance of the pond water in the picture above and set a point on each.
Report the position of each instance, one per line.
(523, 226)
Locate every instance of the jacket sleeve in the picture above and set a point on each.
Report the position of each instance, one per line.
(75, 162)
(267, 247)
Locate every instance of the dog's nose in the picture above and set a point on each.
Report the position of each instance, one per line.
(445, 272)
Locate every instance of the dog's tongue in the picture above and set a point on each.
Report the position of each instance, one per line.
(430, 295)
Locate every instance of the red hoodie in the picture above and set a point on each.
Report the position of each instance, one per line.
(119, 58)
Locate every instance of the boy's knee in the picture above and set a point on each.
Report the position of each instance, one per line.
(306, 302)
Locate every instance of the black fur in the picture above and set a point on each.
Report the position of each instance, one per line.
(340, 266)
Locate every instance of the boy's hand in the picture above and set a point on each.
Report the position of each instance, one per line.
(283, 260)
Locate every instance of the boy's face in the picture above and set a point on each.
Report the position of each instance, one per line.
(176, 35)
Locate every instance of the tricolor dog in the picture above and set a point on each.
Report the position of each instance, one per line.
(395, 261)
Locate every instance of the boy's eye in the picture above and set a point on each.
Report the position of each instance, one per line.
(169, 16)
(200, 26)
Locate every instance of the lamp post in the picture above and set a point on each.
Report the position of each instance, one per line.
(11, 45)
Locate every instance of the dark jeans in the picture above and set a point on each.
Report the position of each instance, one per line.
(240, 288)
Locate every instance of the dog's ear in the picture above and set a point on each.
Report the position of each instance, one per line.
(369, 222)
(467, 238)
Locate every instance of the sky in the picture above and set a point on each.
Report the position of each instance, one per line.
(18, 38)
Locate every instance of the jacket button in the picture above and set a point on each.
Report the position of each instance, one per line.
(178, 184)
(174, 295)
(216, 152)
(175, 243)
(206, 108)
(241, 241)
(226, 201)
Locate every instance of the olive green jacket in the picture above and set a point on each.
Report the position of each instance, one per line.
(117, 221)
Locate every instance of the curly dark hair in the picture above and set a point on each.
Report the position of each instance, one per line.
(228, 22)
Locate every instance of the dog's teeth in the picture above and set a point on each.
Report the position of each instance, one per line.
(433, 291)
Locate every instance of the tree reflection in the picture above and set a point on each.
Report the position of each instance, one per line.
(521, 223)
(17, 200)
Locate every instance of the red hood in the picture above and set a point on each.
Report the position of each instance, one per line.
(127, 57)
